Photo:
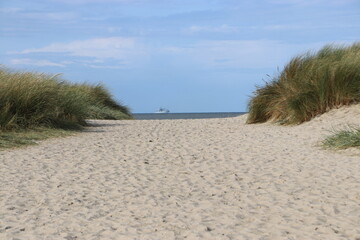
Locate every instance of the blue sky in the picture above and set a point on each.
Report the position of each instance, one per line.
(185, 55)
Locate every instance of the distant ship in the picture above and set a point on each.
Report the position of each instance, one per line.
(162, 110)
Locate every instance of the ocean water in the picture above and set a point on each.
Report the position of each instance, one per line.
(159, 116)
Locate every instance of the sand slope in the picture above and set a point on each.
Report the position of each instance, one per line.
(184, 179)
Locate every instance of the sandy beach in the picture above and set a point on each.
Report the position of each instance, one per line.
(184, 179)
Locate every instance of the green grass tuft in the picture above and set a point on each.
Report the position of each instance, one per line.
(343, 139)
(102, 104)
(24, 137)
(37, 106)
(35, 99)
(309, 85)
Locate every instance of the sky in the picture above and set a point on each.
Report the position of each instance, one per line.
(184, 55)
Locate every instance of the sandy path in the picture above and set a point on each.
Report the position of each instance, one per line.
(182, 179)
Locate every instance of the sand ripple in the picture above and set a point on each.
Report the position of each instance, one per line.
(181, 179)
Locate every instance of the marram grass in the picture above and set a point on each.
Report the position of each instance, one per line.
(25, 137)
(102, 105)
(343, 139)
(309, 85)
(30, 100)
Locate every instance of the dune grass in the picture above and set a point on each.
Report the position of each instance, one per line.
(39, 100)
(24, 137)
(102, 104)
(37, 106)
(309, 85)
(343, 139)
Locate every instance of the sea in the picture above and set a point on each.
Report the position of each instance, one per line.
(203, 115)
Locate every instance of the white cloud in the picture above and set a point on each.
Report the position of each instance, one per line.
(55, 16)
(240, 54)
(93, 1)
(114, 29)
(120, 66)
(39, 15)
(275, 27)
(98, 48)
(40, 63)
(219, 29)
(294, 2)
(103, 64)
(312, 2)
(10, 10)
(284, 27)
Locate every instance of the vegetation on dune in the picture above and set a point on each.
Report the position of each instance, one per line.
(102, 105)
(309, 85)
(30, 100)
(30, 136)
(343, 139)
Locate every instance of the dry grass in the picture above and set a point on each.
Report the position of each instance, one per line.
(37, 106)
(343, 139)
(25, 137)
(309, 85)
(35, 99)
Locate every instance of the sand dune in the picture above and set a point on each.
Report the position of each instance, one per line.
(184, 179)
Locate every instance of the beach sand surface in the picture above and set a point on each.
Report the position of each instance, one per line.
(185, 179)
